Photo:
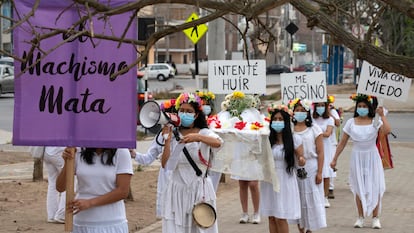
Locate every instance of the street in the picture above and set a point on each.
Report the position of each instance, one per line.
(187, 81)
(400, 122)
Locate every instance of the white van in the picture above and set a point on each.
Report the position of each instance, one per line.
(160, 71)
(7, 61)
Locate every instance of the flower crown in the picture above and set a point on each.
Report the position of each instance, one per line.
(272, 107)
(330, 99)
(361, 97)
(206, 96)
(306, 104)
(167, 105)
(237, 102)
(187, 97)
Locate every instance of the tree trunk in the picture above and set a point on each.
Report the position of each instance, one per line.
(38, 169)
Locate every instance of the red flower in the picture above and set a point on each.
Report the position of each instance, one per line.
(256, 126)
(214, 121)
(240, 125)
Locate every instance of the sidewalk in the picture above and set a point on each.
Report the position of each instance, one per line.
(397, 209)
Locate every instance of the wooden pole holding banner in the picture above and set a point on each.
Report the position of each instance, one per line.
(70, 193)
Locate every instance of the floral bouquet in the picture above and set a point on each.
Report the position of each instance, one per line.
(239, 112)
(236, 102)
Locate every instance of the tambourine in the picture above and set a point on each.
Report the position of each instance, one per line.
(204, 215)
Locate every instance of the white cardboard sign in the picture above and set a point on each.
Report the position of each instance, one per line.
(373, 81)
(303, 85)
(227, 76)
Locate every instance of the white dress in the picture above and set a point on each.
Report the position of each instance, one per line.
(313, 216)
(95, 180)
(146, 159)
(328, 148)
(284, 204)
(366, 175)
(185, 188)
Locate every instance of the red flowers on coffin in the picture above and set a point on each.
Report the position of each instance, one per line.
(240, 125)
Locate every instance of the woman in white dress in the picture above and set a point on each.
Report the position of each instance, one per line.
(366, 176)
(103, 180)
(322, 118)
(285, 204)
(55, 201)
(313, 215)
(185, 188)
(153, 153)
(207, 98)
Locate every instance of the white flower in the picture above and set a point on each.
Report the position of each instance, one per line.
(306, 104)
(228, 97)
(225, 105)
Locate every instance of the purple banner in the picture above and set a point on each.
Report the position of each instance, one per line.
(69, 98)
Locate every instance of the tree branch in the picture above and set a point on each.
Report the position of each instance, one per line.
(381, 58)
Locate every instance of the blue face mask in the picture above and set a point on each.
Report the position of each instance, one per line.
(186, 119)
(206, 109)
(278, 126)
(362, 111)
(300, 116)
(320, 110)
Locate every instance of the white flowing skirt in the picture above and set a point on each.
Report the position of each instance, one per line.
(284, 204)
(366, 178)
(312, 200)
(328, 151)
(179, 200)
(101, 227)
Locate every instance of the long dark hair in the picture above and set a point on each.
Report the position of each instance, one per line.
(308, 120)
(200, 122)
(325, 114)
(87, 155)
(287, 138)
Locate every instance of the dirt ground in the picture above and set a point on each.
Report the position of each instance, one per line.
(23, 202)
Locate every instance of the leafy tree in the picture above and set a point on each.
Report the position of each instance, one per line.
(397, 32)
(336, 17)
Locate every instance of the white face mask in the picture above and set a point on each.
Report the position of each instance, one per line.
(206, 109)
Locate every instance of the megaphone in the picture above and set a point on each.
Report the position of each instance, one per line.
(150, 115)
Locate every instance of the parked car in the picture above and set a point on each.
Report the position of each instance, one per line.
(277, 69)
(141, 94)
(7, 61)
(160, 71)
(6, 79)
(309, 67)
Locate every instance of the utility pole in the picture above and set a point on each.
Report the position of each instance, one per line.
(1, 32)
